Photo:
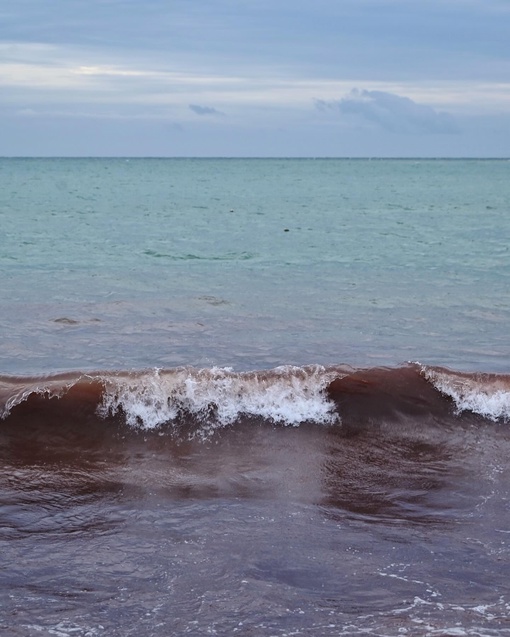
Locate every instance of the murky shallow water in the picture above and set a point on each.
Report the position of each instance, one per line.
(397, 528)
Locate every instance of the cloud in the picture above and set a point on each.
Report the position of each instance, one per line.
(392, 112)
(204, 110)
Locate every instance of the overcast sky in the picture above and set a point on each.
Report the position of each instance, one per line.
(255, 78)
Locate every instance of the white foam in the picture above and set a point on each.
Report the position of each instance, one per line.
(218, 397)
(483, 394)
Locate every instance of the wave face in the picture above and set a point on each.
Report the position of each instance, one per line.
(210, 399)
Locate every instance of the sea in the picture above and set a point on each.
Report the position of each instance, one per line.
(254, 397)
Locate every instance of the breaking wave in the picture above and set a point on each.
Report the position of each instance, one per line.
(217, 397)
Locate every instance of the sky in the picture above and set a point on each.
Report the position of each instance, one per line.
(243, 78)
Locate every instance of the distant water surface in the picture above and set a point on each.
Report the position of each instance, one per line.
(253, 263)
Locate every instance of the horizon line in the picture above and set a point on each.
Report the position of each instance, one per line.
(277, 157)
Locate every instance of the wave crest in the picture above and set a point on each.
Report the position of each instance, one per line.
(209, 399)
(487, 395)
(218, 397)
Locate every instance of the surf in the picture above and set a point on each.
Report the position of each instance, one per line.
(210, 399)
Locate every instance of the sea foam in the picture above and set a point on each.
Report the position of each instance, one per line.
(485, 394)
(218, 397)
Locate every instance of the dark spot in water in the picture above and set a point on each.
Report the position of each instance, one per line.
(213, 300)
(66, 321)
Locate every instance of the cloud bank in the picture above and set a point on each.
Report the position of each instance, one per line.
(118, 77)
(392, 112)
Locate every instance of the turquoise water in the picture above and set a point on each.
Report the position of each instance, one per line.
(129, 263)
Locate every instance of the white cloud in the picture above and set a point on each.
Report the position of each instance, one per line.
(33, 74)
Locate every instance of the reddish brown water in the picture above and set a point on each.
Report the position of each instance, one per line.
(394, 520)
